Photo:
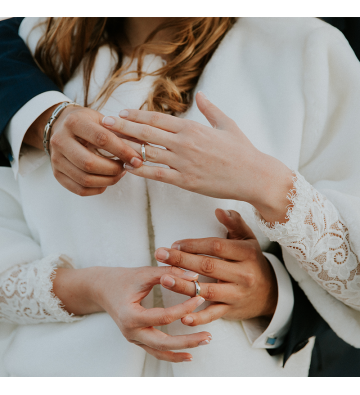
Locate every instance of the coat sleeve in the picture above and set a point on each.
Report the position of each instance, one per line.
(26, 295)
(321, 239)
(20, 77)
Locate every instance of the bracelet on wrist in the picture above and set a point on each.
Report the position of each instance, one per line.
(54, 116)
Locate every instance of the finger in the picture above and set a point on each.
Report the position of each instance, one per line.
(235, 250)
(169, 176)
(168, 355)
(210, 314)
(151, 276)
(155, 119)
(101, 138)
(214, 115)
(82, 158)
(139, 131)
(213, 292)
(236, 226)
(85, 179)
(205, 265)
(154, 154)
(161, 316)
(161, 341)
(74, 187)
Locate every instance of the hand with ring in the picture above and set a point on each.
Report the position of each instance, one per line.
(246, 286)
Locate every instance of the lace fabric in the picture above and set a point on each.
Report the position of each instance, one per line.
(318, 238)
(26, 295)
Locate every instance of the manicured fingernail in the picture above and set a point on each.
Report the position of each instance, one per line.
(136, 162)
(200, 301)
(108, 121)
(176, 246)
(204, 342)
(188, 320)
(128, 167)
(188, 360)
(168, 281)
(124, 114)
(161, 254)
(202, 94)
(210, 337)
(190, 274)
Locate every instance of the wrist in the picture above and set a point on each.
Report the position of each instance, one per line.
(75, 289)
(276, 182)
(35, 134)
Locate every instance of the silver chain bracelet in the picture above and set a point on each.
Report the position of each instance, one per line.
(55, 115)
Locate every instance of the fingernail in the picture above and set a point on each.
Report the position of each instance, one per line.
(162, 254)
(168, 281)
(200, 301)
(123, 113)
(210, 337)
(108, 121)
(190, 274)
(188, 320)
(227, 212)
(176, 246)
(188, 360)
(204, 342)
(136, 162)
(128, 167)
(202, 94)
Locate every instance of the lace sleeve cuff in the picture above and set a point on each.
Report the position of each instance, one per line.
(318, 238)
(26, 295)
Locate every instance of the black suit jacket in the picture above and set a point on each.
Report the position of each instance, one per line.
(21, 80)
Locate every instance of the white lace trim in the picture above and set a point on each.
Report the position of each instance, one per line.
(26, 295)
(318, 238)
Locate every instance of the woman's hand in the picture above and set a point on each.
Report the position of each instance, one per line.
(75, 167)
(119, 291)
(246, 286)
(220, 162)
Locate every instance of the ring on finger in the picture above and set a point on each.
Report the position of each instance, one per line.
(197, 288)
(143, 153)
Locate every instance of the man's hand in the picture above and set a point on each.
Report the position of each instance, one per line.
(77, 168)
(246, 286)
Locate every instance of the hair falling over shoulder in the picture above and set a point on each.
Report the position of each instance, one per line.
(71, 42)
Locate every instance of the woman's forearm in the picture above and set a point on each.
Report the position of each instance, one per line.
(76, 290)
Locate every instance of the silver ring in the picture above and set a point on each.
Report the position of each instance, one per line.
(197, 288)
(143, 153)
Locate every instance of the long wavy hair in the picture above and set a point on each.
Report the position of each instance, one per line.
(68, 42)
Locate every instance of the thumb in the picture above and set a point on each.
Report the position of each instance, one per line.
(236, 226)
(216, 117)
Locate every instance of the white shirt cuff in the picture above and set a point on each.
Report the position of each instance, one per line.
(24, 118)
(259, 331)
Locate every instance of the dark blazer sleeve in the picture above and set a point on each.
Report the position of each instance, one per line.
(306, 321)
(20, 77)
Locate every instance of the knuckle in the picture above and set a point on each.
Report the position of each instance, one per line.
(211, 316)
(146, 133)
(250, 279)
(210, 293)
(101, 139)
(88, 165)
(159, 174)
(178, 259)
(189, 143)
(152, 152)
(217, 247)
(162, 347)
(207, 265)
(165, 319)
(71, 121)
(154, 118)
(252, 253)
(86, 181)
(82, 191)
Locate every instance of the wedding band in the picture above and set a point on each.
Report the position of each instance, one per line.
(143, 153)
(197, 288)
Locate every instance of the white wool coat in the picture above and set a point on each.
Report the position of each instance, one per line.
(293, 87)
